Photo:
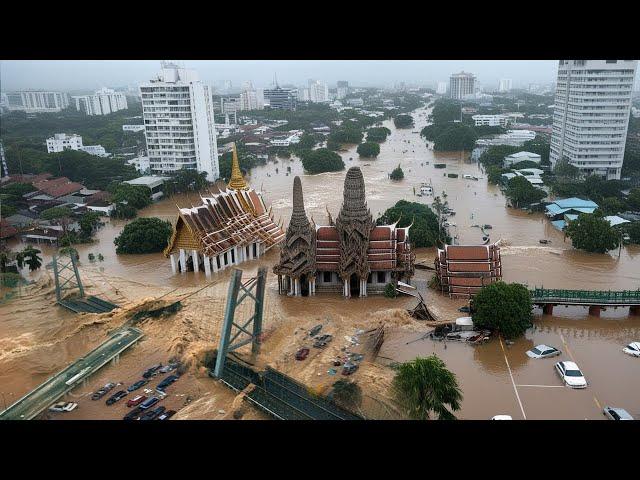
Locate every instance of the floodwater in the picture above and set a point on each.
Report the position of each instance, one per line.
(37, 338)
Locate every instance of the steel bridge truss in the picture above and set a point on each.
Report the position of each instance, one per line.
(66, 275)
(234, 333)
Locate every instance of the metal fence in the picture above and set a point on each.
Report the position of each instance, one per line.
(624, 297)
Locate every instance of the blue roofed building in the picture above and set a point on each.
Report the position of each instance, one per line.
(567, 209)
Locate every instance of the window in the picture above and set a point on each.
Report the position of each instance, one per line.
(326, 277)
(612, 61)
(382, 276)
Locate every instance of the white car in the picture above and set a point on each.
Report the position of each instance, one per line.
(543, 351)
(571, 375)
(63, 407)
(632, 349)
(615, 413)
(501, 417)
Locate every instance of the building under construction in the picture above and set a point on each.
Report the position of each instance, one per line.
(464, 269)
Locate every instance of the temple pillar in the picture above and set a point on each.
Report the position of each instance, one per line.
(298, 290)
(257, 249)
(174, 266)
(310, 282)
(214, 263)
(196, 262)
(207, 266)
(251, 251)
(364, 287)
(290, 284)
(595, 310)
(347, 288)
(183, 261)
(547, 309)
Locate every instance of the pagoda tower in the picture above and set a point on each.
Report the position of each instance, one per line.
(297, 266)
(237, 181)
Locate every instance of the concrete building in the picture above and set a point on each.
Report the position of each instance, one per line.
(103, 102)
(281, 98)
(505, 85)
(179, 122)
(251, 100)
(491, 120)
(461, 84)
(318, 91)
(97, 150)
(442, 88)
(153, 182)
(521, 157)
(342, 89)
(132, 128)
(515, 138)
(32, 101)
(61, 142)
(591, 114)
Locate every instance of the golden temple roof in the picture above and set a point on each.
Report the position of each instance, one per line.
(237, 181)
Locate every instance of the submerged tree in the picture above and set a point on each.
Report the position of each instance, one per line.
(593, 233)
(424, 387)
(30, 257)
(505, 307)
(347, 394)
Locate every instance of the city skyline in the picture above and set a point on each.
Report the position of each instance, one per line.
(90, 74)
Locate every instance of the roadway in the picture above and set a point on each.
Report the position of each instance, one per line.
(55, 387)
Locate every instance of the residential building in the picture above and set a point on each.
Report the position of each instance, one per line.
(132, 128)
(515, 138)
(461, 84)
(281, 98)
(342, 89)
(179, 122)
(442, 88)
(355, 102)
(318, 91)
(491, 120)
(103, 102)
(61, 141)
(97, 150)
(591, 114)
(152, 182)
(505, 85)
(250, 100)
(521, 157)
(32, 101)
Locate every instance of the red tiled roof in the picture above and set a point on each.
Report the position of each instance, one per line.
(7, 230)
(58, 187)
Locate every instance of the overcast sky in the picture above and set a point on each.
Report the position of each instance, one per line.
(91, 74)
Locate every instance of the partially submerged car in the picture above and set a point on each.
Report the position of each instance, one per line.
(615, 413)
(103, 391)
(543, 351)
(571, 375)
(302, 353)
(63, 407)
(632, 349)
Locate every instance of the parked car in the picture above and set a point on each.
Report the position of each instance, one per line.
(103, 391)
(543, 351)
(153, 414)
(169, 368)
(615, 413)
(137, 385)
(152, 371)
(166, 415)
(632, 349)
(302, 353)
(149, 402)
(464, 309)
(63, 407)
(349, 368)
(501, 417)
(166, 382)
(116, 396)
(137, 400)
(133, 414)
(322, 341)
(571, 375)
(315, 330)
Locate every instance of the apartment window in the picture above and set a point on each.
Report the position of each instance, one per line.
(612, 61)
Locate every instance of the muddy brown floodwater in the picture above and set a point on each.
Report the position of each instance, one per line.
(38, 338)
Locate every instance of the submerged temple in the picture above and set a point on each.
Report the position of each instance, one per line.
(463, 270)
(351, 255)
(232, 225)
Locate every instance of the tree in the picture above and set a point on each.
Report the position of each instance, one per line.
(593, 233)
(423, 232)
(424, 387)
(456, 137)
(403, 121)
(143, 235)
(124, 211)
(633, 229)
(306, 142)
(494, 174)
(347, 394)
(397, 174)
(321, 160)
(611, 206)
(505, 307)
(565, 170)
(30, 257)
(187, 180)
(136, 196)
(88, 222)
(390, 291)
(368, 149)
(495, 154)
(378, 134)
(521, 192)
(60, 214)
(347, 133)
(634, 199)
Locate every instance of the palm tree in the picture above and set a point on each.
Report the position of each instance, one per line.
(30, 257)
(347, 394)
(425, 386)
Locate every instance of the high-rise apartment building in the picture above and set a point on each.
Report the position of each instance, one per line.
(342, 89)
(179, 123)
(591, 114)
(103, 102)
(318, 91)
(281, 98)
(461, 84)
(505, 85)
(32, 101)
(442, 88)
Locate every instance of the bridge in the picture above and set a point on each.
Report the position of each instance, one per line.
(596, 300)
(75, 374)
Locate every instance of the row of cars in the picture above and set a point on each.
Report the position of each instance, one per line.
(349, 362)
(573, 377)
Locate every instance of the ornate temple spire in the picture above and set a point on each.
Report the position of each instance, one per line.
(298, 254)
(354, 225)
(237, 181)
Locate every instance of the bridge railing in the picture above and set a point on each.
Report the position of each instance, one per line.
(586, 296)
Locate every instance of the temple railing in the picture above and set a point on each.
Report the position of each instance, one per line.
(599, 297)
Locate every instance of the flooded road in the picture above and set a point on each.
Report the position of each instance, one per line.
(37, 338)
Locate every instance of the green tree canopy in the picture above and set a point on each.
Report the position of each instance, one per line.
(306, 142)
(634, 199)
(136, 196)
(143, 235)
(30, 257)
(424, 387)
(424, 231)
(564, 169)
(186, 180)
(403, 121)
(397, 174)
(378, 134)
(494, 155)
(593, 233)
(88, 222)
(347, 394)
(321, 160)
(368, 149)
(522, 193)
(633, 229)
(445, 110)
(347, 133)
(505, 307)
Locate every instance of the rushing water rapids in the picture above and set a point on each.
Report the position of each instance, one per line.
(38, 338)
